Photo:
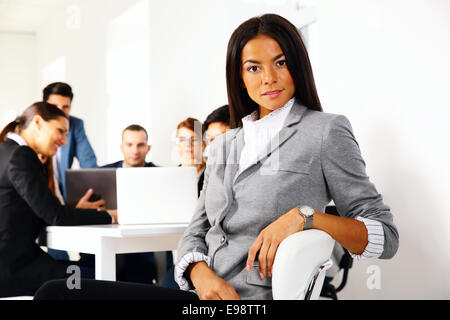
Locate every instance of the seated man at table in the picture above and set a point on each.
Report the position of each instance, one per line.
(144, 267)
(134, 148)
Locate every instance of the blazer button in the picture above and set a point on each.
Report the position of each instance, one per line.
(222, 240)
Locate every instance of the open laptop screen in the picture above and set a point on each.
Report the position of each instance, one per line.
(101, 180)
(156, 195)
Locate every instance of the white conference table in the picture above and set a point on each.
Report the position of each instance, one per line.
(105, 241)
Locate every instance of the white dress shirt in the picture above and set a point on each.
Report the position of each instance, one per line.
(56, 161)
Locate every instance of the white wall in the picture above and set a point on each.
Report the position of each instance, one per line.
(188, 42)
(17, 74)
(81, 42)
(188, 54)
(385, 65)
(149, 62)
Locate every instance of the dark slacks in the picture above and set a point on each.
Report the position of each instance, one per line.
(27, 279)
(109, 290)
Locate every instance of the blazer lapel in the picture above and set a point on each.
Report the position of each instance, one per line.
(232, 150)
(235, 143)
(288, 130)
(232, 159)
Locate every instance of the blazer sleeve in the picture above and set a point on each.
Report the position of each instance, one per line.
(192, 246)
(83, 149)
(26, 175)
(193, 239)
(353, 193)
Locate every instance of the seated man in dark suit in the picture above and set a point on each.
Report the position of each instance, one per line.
(137, 267)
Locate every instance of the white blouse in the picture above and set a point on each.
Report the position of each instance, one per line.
(258, 133)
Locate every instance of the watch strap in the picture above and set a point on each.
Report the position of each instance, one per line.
(308, 222)
(308, 219)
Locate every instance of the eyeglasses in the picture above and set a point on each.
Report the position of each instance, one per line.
(190, 140)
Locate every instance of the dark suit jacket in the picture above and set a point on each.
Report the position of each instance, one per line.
(119, 164)
(77, 146)
(26, 206)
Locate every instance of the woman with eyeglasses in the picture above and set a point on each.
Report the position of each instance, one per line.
(190, 146)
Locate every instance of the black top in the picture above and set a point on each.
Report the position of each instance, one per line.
(200, 182)
(26, 206)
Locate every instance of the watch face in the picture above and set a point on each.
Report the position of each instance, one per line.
(307, 211)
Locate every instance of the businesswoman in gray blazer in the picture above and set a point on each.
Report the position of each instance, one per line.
(273, 174)
(26, 202)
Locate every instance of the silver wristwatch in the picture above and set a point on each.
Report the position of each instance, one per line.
(308, 213)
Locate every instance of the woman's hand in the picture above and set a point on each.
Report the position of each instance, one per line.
(270, 238)
(84, 202)
(209, 286)
(113, 214)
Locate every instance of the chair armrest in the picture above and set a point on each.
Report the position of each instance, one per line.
(300, 262)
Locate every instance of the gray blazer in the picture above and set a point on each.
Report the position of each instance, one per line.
(315, 158)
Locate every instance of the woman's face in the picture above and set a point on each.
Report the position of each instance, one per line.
(265, 74)
(50, 135)
(215, 129)
(190, 146)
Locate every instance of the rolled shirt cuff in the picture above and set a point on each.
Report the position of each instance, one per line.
(183, 264)
(375, 237)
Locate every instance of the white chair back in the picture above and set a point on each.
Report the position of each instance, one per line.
(300, 265)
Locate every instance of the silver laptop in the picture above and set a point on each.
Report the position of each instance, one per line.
(102, 180)
(156, 195)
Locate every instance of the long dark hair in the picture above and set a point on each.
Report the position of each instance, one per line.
(221, 114)
(46, 110)
(297, 60)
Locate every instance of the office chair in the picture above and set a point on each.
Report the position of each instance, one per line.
(345, 263)
(300, 265)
